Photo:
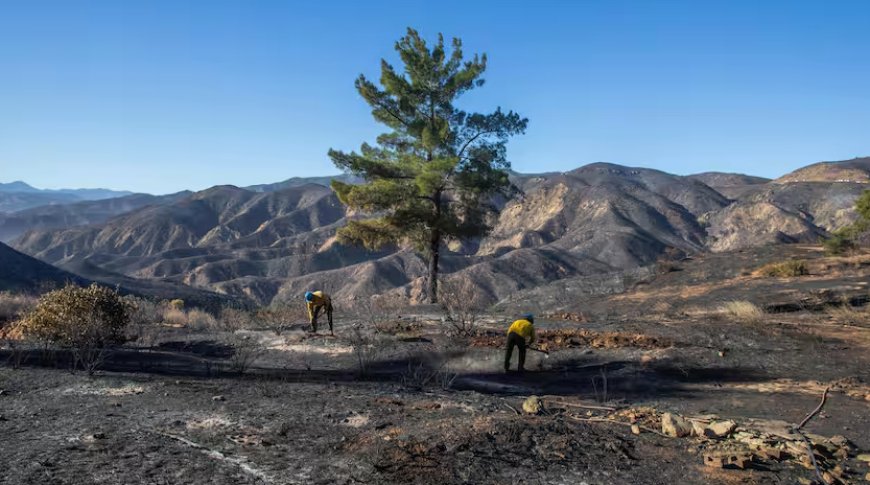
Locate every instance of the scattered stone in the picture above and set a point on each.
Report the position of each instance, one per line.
(867, 477)
(675, 426)
(720, 429)
(805, 481)
(727, 460)
(864, 457)
(2, 418)
(218, 398)
(635, 429)
(697, 428)
(532, 405)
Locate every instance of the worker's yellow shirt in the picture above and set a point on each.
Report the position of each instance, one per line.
(320, 299)
(524, 329)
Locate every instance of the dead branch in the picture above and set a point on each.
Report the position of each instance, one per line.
(245, 467)
(812, 456)
(815, 411)
(603, 420)
(512, 409)
(559, 402)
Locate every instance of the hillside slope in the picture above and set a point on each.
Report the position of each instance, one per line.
(271, 245)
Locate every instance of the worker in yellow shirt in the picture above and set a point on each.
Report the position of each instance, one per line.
(317, 301)
(520, 334)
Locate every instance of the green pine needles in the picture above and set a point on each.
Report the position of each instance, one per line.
(434, 176)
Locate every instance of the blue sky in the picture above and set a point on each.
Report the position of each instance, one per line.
(160, 96)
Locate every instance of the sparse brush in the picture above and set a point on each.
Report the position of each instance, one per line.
(420, 376)
(743, 311)
(232, 319)
(848, 314)
(463, 306)
(199, 320)
(280, 317)
(175, 317)
(246, 350)
(785, 269)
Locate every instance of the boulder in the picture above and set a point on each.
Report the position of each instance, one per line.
(676, 426)
(720, 429)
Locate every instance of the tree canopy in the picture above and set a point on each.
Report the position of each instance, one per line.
(435, 174)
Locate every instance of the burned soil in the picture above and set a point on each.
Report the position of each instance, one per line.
(410, 401)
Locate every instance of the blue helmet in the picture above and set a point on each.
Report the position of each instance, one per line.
(309, 296)
(529, 317)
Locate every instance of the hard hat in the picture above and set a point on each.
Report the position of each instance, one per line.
(529, 317)
(309, 296)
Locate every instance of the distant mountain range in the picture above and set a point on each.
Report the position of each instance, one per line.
(15, 196)
(271, 242)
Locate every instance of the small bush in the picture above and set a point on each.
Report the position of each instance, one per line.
(174, 317)
(145, 319)
(199, 320)
(85, 320)
(232, 319)
(280, 317)
(743, 311)
(841, 242)
(462, 304)
(785, 269)
(177, 304)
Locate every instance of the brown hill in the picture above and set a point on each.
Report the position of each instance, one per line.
(62, 216)
(855, 170)
(599, 219)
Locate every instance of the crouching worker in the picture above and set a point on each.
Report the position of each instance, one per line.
(317, 301)
(520, 334)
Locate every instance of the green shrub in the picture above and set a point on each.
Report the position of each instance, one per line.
(841, 242)
(85, 320)
(785, 269)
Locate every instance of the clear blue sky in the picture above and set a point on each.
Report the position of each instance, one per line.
(159, 96)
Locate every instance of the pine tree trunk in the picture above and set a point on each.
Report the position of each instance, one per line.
(434, 247)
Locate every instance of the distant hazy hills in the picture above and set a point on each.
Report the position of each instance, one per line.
(272, 242)
(15, 196)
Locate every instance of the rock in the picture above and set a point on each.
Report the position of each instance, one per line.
(805, 481)
(720, 429)
(2, 418)
(867, 477)
(863, 457)
(676, 426)
(697, 428)
(218, 398)
(727, 460)
(532, 405)
(635, 429)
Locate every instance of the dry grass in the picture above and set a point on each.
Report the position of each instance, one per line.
(175, 317)
(849, 315)
(200, 320)
(784, 269)
(743, 311)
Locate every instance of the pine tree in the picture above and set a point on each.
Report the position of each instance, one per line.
(433, 177)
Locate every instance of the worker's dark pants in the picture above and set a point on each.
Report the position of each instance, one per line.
(317, 309)
(515, 340)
